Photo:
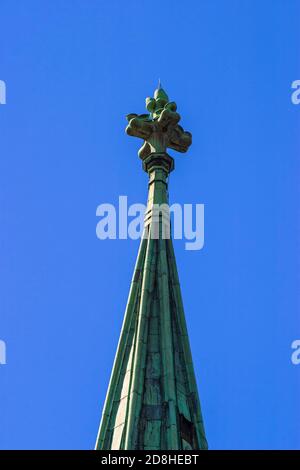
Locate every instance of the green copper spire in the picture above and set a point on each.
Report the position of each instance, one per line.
(152, 400)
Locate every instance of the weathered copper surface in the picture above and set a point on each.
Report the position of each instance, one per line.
(152, 400)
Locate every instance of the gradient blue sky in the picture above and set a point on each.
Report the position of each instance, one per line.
(73, 70)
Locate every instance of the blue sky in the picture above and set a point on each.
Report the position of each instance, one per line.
(73, 70)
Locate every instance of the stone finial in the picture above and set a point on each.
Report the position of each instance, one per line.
(159, 129)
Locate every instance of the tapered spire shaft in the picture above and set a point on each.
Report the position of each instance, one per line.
(152, 400)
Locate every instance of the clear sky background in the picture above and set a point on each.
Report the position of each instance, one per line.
(73, 70)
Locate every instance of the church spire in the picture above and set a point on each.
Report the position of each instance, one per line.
(152, 400)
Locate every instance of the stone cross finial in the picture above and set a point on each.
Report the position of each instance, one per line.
(159, 129)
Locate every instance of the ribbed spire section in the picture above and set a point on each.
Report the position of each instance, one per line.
(152, 400)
